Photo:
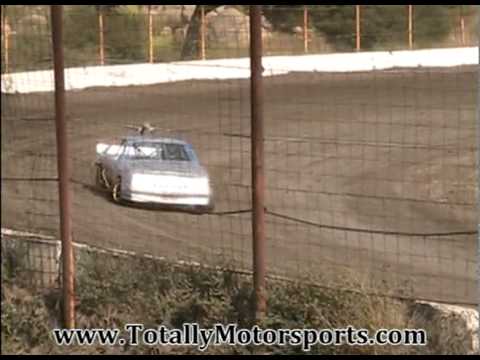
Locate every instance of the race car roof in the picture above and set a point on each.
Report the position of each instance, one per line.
(153, 139)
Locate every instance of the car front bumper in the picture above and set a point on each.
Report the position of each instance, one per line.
(164, 199)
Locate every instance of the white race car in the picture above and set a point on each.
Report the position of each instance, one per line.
(154, 170)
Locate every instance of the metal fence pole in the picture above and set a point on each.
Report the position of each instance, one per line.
(358, 29)
(6, 38)
(258, 176)
(64, 169)
(101, 37)
(150, 35)
(462, 26)
(203, 31)
(410, 27)
(305, 29)
(478, 170)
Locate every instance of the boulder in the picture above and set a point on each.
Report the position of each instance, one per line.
(451, 329)
(229, 27)
(167, 31)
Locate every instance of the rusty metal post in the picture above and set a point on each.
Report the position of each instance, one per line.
(358, 29)
(410, 27)
(305, 30)
(64, 170)
(101, 39)
(203, 30)
(6, 38)
(478, 168)
(258, 176)
(150, 35)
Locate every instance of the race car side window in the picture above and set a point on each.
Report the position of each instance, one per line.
(123, 149)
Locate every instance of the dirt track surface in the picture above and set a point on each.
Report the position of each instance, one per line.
(392, 152)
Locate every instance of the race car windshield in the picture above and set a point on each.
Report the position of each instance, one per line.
(156, 151)
(174, 152)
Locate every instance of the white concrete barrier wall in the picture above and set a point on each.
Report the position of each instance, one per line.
(149, 74)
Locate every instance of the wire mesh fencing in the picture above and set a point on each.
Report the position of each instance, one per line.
(28, 158)
(31, 260)
(118, 34)
(376, 175)
(368, 174)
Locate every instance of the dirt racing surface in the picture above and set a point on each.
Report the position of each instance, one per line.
(371, 174)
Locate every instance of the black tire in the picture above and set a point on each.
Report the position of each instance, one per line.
(116, 192)
(99, 180)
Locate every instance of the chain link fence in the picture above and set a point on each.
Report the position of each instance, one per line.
(119, 34)
(368, 174)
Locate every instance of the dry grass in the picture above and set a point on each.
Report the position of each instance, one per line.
(115, 291)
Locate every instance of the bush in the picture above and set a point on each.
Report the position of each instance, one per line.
(113, 291)
(383, 26)
(126, 38)
(81, 36)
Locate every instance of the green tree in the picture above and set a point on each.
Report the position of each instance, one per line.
(382, 26)
(432, 24)
(81, 35)
(337, 23)
(284, 18)
(125, 34)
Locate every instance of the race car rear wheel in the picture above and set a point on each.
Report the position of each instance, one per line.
(100, 177)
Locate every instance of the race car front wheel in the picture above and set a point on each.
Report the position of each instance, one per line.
(116, 192)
